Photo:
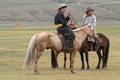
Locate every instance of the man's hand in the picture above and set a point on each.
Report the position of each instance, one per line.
(68, 14)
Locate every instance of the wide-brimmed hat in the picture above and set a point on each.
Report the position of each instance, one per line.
(89, 9)
(62, 5)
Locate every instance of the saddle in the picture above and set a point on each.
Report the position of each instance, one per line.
(67, 45)
(93, 44)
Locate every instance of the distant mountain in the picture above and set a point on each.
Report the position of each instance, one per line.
(39, 12)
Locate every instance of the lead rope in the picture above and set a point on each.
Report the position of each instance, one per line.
(75, 22)
(71, 20)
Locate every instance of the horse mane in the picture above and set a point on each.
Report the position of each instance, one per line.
(81, 28)
(78, 29)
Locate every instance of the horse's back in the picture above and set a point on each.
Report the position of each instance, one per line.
(103, 39)
(48, 39)
(101, 35)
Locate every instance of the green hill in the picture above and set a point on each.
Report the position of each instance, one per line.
(38, 12)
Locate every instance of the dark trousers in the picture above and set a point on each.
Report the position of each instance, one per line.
(66, 32)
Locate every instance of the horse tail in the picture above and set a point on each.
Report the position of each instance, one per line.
(29, 59)
(53, 60)
(107, 53)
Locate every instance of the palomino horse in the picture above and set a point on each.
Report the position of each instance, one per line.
(45, 40)
(103, 43)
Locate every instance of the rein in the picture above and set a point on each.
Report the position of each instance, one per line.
(73, 19)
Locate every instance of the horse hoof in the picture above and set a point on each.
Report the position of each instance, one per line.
(37, 73)
(97, 67)
(82, 68)
(73, 72)
(55, 66)
(88, 68)
(64, 68)
(103, 67)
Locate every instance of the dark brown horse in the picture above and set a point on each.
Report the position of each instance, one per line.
(103, 43)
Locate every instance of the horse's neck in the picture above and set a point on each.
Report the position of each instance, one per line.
(82, 35)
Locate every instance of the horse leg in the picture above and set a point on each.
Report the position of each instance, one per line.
(103, 59)
(99, 57)
(87, 60)
(38, 55)
(82, 59)
(72, 58)
(65, 58)
(56, 56)
(106, 54)
(54, 63)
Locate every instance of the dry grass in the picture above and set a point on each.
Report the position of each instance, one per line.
(13, 45)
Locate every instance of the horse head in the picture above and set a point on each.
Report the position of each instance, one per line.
(88, 29)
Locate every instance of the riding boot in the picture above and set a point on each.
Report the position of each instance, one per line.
(64, 46)
(96, 46)
(71, 43)
(67, 44)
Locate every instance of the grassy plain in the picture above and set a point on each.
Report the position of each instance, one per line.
(13, 45)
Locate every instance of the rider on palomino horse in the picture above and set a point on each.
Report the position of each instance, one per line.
(89, 17)
(61, 23)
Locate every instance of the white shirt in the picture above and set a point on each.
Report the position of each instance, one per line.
(90, 19)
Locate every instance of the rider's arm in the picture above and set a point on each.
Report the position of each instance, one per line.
(67, 18)
(83, 21)
(94, 23)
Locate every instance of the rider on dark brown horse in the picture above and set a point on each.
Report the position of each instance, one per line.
(89, 17)
(61, 23)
